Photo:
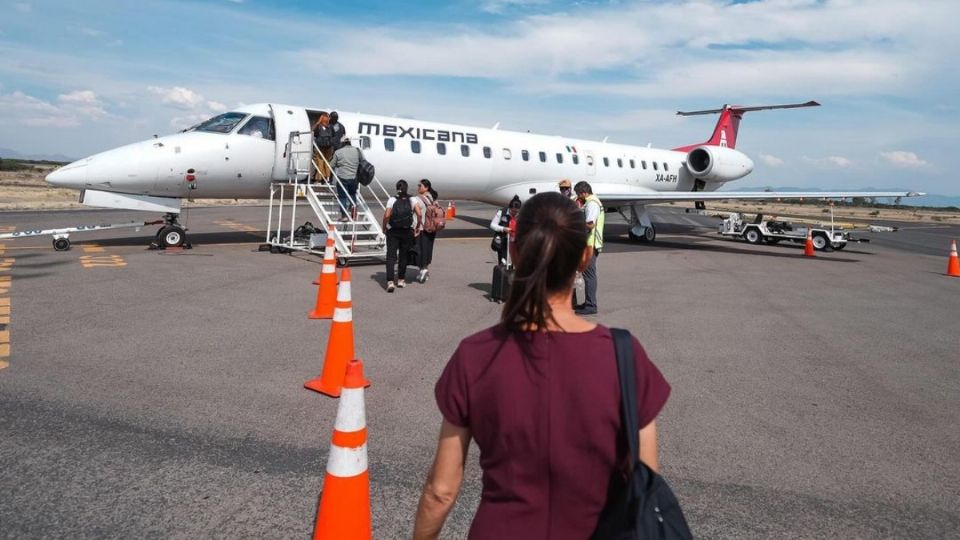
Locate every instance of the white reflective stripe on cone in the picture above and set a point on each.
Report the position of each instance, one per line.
(343, 292)
(351, 414)
(342, 314)
(329, 268)
(328, 253)
(347, 462)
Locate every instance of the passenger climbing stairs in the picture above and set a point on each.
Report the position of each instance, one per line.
(358, 237)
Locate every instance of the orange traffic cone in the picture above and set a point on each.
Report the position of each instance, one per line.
(339, 343)
(344, 510)
(449, 214)
(808, 247)
(953, 265)
(326, 284)
(453, 209)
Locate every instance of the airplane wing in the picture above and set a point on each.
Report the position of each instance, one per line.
(667, 196)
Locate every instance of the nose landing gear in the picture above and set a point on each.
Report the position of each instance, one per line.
(171, 235)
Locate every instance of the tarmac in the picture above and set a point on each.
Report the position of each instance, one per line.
(160, 393)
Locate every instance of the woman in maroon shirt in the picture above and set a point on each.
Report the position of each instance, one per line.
(539, 393)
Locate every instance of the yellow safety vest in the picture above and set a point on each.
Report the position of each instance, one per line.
(595, 240)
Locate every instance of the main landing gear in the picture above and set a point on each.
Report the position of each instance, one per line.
(171, 235)
(641, 230)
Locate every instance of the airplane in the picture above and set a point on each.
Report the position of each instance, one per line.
(238, 154)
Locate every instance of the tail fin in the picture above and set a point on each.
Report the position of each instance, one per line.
(725, 133)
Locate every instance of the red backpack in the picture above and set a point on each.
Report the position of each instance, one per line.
(434, 217)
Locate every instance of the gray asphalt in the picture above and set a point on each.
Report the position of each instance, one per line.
(811, 397)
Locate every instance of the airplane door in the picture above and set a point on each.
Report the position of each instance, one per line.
(591, 165)
(289, 120)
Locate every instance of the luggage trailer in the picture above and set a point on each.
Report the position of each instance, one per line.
(61, 237)
(761, 231)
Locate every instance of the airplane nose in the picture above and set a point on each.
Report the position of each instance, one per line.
(73, 175)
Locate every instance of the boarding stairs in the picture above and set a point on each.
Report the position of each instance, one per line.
(359, 237)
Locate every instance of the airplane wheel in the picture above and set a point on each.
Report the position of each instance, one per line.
(648, 236)
(819, 243)
(61, 244)
(172, 236)
(753, 236)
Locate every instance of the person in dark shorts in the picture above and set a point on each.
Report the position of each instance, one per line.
(539, 393)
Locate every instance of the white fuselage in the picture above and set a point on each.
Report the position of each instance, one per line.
(462, 162)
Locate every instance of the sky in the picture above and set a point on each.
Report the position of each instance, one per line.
(77, 78)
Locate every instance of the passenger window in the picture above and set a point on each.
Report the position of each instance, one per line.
(559, 158)
(415, 147)
(666, 166)
(441, 148)
(543, 157)
(364, 142)
(388, 144)
(486, 152)
(619, 163)
(632, 166)
(525, 155)
(644, 163)
(259, 127)
(589, 161)
(655, 165)
(606, 162)
(507, 154)
(576, 159)
(464, 150)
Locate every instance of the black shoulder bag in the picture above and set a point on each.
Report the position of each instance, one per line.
(643, 506)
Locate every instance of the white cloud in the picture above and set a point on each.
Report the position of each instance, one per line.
(772, 161)
(23, 7)
(499, 6)
(82, 102)
(216, 106)
(839, 162)
(714, 48)
(907, 160)
(178, 96)
(68, 111)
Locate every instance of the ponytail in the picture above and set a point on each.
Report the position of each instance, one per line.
(550, 238)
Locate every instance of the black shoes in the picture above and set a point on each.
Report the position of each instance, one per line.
(585, 311)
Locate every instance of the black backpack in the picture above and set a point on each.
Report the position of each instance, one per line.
(641, 506)
(365, 171)
(401, 217)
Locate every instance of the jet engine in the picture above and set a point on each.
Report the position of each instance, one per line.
(718, 163)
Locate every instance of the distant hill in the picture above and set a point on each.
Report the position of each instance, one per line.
(938, 201)
(7, 153)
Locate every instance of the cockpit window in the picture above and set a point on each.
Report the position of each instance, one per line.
(223, 123)
(258, 126)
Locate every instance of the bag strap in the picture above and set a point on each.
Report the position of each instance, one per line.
(626, 371)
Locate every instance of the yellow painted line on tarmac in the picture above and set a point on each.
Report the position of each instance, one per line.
(6, 263)
(100, 261)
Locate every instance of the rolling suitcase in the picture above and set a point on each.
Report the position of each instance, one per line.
(502, 277)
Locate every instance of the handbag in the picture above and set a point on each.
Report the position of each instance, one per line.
(644, 506)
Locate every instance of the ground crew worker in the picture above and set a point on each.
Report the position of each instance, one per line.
(593, 210)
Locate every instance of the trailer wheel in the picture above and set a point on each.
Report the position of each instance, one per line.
(172, 236)
(753, 236)
(839, 246)
(820, 242)
(771, 240)
(61, 244)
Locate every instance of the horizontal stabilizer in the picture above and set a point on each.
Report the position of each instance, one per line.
(738, 108)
